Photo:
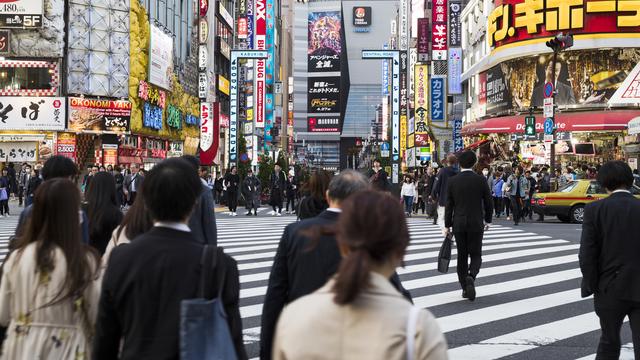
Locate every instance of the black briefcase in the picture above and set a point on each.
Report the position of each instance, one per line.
(444, 257)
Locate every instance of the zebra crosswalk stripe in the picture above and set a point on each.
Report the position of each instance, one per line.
(524, 274)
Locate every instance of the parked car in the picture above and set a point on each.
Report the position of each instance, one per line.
(568, 202)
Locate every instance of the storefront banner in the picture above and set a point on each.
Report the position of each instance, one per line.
(423, 38)
(323, 123)
(455, 71)
(87, 114)
(521, 20)
(110, 156)
(223, 85)
(421, 140)
(32, 113)
(324, 41)
(206, 127)
(438, 97)
(21, 13)
(421, 101)
(66, 145)
(584, 79)
(455, 25)
(458, 143)
(152, 95)
(439, 30)
(18, 152)
(260, 67)
(629, 91)
(160, 57)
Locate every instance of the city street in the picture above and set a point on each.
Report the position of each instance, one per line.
(528, 304)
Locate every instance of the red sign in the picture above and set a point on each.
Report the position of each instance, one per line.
(208, 157)
(482, 91)
(224, 120)
(66, 145)
(421, 140)
(243, 28)
(439, 30)
(260, 44)
(204, 7)
(519, 20)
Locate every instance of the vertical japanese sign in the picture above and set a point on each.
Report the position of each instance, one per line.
(458, 143)
(206, 126)
(423, 39)
(385, 74)
(404, 25)
(404, 103)
(421, 92)
(250, 24)
(439, 30)
(455, 26)
(455, 70)
(438, 97)
(260, 68)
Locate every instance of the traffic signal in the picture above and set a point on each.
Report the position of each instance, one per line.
(560, 42)
(530, 125)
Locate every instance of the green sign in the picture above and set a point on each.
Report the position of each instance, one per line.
(530, 125)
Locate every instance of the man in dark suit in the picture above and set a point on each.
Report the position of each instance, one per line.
(564, 92)
(301, 266)
(609, 253)
(203, 220)
(132, 183)
(278, 186)
(468, 203)
(146, 281)
(439, 191)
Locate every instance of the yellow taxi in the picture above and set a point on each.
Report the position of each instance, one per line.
(568, 202)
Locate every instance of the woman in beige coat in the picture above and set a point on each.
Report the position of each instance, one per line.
(358, 314)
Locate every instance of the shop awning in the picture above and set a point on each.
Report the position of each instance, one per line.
(614, 120)
(477, 144)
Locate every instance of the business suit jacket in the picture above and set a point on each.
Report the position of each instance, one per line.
(143, 286)
(609, 248)
(469, 202)
(203, 219)
(131, 179)
(299, 271)
(441, 184)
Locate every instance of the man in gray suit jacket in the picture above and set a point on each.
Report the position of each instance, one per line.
(203, 220)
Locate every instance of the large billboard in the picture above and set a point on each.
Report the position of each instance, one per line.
(521, 20)
(325, 43)
(586, 78)
(324, 94)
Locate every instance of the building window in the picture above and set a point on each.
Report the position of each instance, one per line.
(23, 78)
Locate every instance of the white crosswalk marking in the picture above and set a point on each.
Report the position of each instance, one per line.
(7, 230)
(524, 275)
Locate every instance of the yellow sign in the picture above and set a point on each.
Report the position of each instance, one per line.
(421, 91)
(223, 85)
(403, 134)
(250, 114)
(411, 141)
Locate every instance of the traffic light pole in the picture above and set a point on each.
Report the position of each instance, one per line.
(553, 132)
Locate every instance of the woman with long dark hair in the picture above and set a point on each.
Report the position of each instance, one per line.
(136, 221)
(359, 306)
(314, 201)
(102, 210)
(50, 285)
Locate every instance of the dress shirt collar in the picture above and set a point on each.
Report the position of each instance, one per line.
(335, 210)
(621, 191)
(172, 225)
(465, 170)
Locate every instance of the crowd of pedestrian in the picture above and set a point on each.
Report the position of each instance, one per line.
(83, 280)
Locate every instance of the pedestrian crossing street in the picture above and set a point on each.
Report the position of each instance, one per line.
(528, 305)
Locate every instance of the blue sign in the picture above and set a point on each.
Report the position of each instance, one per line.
(438, 98)
(548, 90)
(152, 116)
(548, 126)
(385, 74)
(384, 146)
(458, 143)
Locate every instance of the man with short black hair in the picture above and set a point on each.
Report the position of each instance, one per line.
(609, 253)
(468, 203)
(146, 281)
(301, 266)
(203, 219)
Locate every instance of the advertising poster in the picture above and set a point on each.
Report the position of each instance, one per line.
(243, 28)
(455, 26)
(421, 92)
(323, 123)
(439, 30)
(99, 115)
(583, 78)
(32, 113)
(438, 97)
(21, 13)
(160, 57)
(66, 145)
(325, 42)
(455, 71)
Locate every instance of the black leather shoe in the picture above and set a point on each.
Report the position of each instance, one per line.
(464, 294)
(471, 288)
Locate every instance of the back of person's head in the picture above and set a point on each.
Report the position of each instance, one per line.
(318, 184)
(59, 166)
(193, 161)
(467, 159)
(137, 220)
(345, 184)
(102, 206)
(452, 160)
(615, 175)
(368, 239)
(171, 189)
(54, 224)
